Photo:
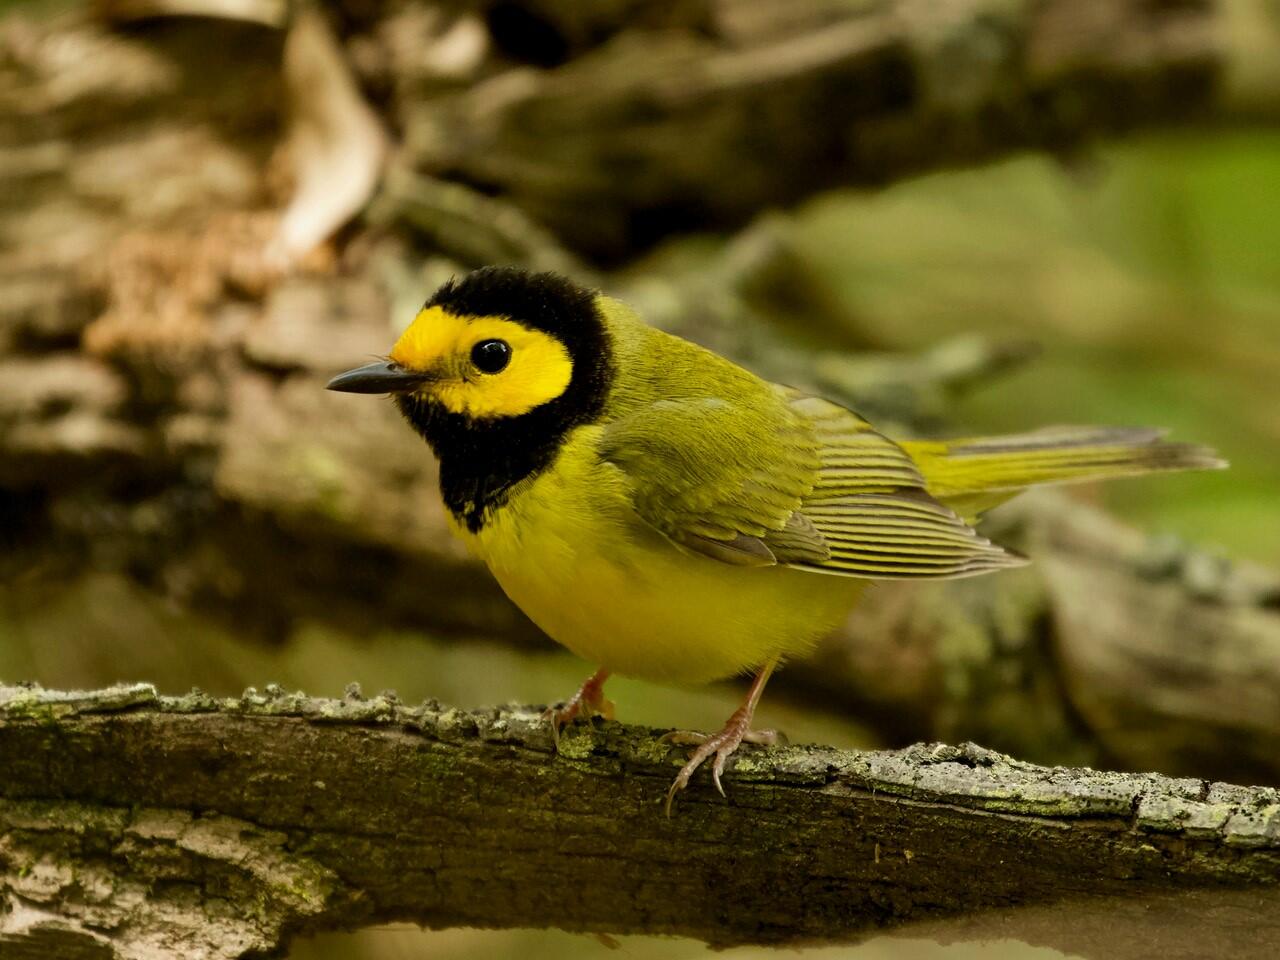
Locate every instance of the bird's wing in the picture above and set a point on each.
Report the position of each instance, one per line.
(794, 480)
(870, 505)
(716, 477)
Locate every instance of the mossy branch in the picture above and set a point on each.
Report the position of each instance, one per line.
(135, 825)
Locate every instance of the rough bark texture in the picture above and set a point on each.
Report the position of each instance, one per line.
(789, 98)
(139, 826)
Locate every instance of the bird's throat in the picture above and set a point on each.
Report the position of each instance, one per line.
(482, 461)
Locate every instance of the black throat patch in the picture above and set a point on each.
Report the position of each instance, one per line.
(481, 460)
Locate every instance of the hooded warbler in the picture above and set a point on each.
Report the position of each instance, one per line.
(666, 514)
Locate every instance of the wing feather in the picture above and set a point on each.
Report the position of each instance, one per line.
(870, 506)
(714, 476)
(791, 479)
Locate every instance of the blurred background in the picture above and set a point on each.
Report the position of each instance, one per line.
(958, 218)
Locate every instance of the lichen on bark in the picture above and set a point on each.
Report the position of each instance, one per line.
(153, 826)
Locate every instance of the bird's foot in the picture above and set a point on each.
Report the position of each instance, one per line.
(722, 745)
(586, 703)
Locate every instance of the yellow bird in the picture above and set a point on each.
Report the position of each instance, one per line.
(666, 514)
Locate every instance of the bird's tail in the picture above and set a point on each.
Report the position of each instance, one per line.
(973, 475)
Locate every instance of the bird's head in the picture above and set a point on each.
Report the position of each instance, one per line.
(493, 372)
(498, 343)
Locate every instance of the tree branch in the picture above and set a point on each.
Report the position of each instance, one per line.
(657, 132)
(133, 825)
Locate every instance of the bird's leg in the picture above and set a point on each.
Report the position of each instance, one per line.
(724, 743)
(588, 701)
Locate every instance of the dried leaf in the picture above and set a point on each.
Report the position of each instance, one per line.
(336, 144)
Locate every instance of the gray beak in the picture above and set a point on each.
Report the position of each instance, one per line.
(381, 377)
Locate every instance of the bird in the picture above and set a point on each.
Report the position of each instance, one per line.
(668, 515)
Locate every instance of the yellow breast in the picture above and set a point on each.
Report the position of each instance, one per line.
(569, 551)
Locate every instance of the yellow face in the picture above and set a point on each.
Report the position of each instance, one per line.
(483, 367)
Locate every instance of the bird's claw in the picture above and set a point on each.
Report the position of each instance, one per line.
(560, 717)
(692, 738)
(586, 703)
(721, 745)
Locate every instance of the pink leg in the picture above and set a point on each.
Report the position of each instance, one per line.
(588, 701)
(724, 743)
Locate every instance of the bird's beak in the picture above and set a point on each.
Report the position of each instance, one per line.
(381, 377)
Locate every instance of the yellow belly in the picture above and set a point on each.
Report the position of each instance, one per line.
(570, 553)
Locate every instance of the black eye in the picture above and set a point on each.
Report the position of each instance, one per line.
(491, 356)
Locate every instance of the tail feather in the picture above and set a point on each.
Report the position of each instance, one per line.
(973, 475)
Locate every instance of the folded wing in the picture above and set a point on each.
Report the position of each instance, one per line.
(793, 480)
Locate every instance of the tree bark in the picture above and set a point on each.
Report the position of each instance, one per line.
(140, 826)
(677, 129)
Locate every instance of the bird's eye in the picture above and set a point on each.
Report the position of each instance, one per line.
(491, 356)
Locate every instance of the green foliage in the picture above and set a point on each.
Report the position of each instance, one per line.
(1147, 272)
